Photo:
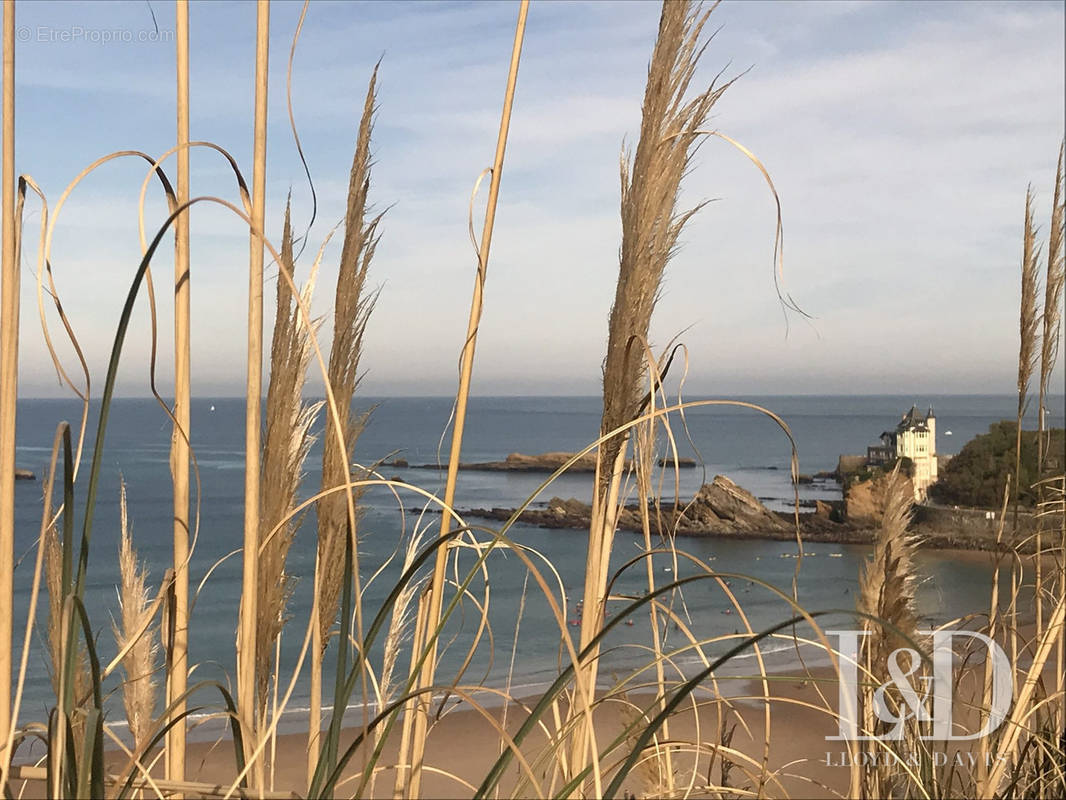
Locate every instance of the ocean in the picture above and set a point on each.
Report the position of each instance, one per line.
(742, 444)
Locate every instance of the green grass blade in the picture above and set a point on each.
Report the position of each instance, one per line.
(86, 783)
(168, 720)
(68, 508)
(109, 390)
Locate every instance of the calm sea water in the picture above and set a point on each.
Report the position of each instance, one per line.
(740, 443)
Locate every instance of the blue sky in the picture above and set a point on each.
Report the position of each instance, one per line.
(901, 137)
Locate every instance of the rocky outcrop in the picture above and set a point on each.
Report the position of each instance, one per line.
(572, 510)
(721, 506)
(864, 502)
(544, 462)
(547, 462)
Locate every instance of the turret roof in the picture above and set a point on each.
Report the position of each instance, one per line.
(914, 420)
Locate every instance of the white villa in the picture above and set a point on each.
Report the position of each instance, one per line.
(913, 438)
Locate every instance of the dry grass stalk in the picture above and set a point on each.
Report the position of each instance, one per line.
(403, 630)
(1054, 281)
(404, 762)
(288, 439)
(57, 593)
(886, 592)
(1053, 286)
(1049, 350)
(644, 452)
(352, 307)
(9, 335)
(401, 623)
(53, 581)
(246, 640)
(651, 225)
(1028, 329)
(177, 672)
(991, 630)
(53, 571)
(1028, 695)
(886, 589)
(415, 724)
(351, 310)
(139, 688)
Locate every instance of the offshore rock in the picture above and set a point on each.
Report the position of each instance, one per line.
(548, 462)
(722, 506)
(719, 507)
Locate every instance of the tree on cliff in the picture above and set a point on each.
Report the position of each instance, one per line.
(976, 476)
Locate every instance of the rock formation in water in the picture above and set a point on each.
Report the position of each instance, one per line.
(547, 462)
(719, 507)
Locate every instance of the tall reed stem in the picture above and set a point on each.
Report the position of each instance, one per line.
(250, 585)
(644, 452)
(435, 589)
(1054, 279)
(651, 224)
(177, 672)
(337, 514)
(1028, 330)
(9, 342)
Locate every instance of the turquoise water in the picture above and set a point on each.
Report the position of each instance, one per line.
(748, 447)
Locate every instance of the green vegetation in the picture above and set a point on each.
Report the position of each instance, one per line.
(975, 477)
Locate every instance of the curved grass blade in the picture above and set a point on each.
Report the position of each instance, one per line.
(344, 691)
(164, 725)
(109, 390)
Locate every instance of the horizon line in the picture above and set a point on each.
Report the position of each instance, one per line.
(693, 396)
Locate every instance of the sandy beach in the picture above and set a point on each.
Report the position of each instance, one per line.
(464, 743)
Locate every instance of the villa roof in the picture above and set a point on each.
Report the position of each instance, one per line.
(914, 420)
